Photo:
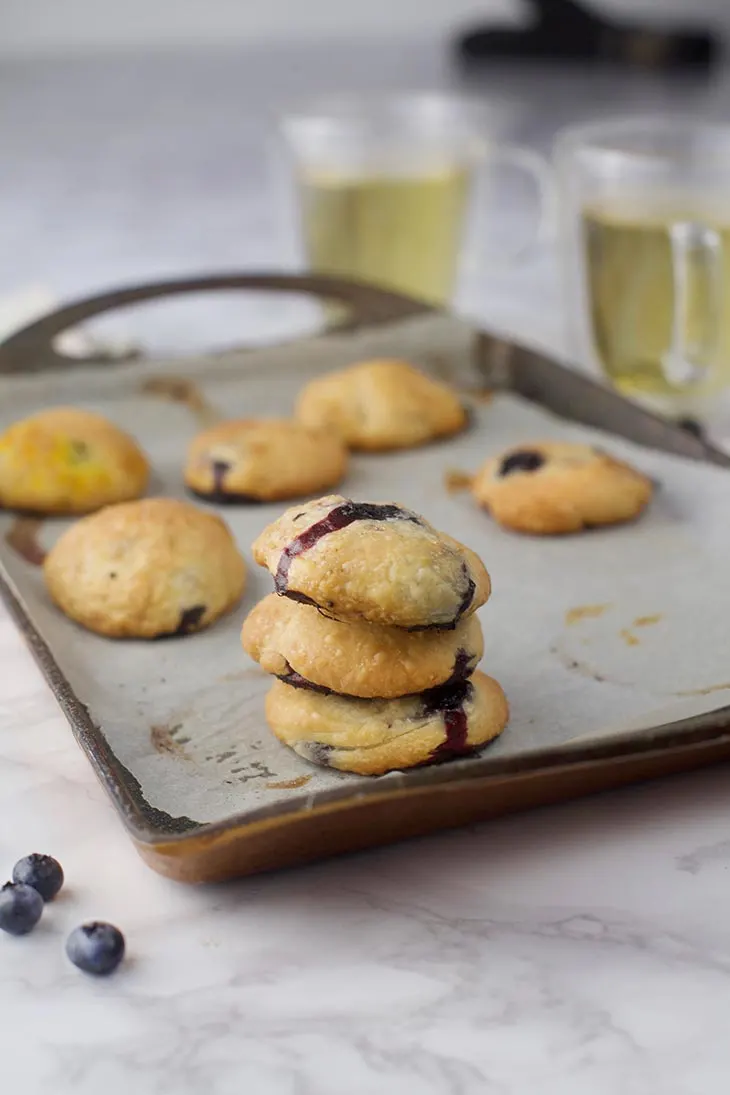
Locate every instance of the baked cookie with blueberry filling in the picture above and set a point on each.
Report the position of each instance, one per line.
(372, 561)
(69, 461)
(263, 460)
(376, 406)
(558, 487)
(371, 737)
(146, 570)
(296, 643)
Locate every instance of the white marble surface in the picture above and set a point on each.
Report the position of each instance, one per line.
(581, 949)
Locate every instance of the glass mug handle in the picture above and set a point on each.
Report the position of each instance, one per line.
(697, 277)
(540, 172)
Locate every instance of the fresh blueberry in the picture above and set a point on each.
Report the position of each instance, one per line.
(96, 947)
(20, 908)
(42, 872)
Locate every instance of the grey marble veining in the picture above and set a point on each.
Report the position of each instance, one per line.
(582, 950)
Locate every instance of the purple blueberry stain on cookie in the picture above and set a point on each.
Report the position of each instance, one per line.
(296, 680)
(468, 596)
(220, 469)
(218, 493)
(338, 518)
(316, 752)
(464, 664)
(523, 460)
(464, 606)
(449, 701)
(189, 620)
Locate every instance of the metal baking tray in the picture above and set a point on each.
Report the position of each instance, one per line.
(175, 730)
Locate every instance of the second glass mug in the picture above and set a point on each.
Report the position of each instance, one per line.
(645, 208)
(384, 184)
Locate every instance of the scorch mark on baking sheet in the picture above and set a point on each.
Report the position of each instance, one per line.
(22, 537)
(705, 691)
(163, 740)
(285, 784)
(186, 393)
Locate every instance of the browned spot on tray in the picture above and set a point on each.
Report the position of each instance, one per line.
(628, 637)
(705, 691)
(456, 481)
(482, 397)
(186, 393)
(285, 784)
(584, 612)
(22, 537)
(647, 621)
(162, 739)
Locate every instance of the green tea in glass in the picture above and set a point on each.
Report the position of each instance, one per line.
(385, 184)
(646, 235)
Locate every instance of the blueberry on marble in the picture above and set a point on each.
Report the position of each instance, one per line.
(42, 872)
(96, 947)
(20, 908)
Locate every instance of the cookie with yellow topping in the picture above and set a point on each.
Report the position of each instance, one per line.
(69, 461)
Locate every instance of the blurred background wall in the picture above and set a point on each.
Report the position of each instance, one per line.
(31, 26)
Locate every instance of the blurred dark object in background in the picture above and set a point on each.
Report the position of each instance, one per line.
(564, 30)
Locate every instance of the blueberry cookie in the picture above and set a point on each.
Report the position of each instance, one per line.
(146, 570)
(558, 487)
(68, 461)
(296, 643)
(380, 405)
(372, 561)
(371, 737)
(263, 460)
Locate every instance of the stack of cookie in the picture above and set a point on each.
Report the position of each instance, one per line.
(373, 638)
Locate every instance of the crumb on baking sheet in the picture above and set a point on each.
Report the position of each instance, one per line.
(285, 784)
(584, 612)
(456, 481)
(647, 621)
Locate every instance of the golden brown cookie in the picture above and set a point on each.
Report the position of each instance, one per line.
(557, 487)
(380, 405)
(263, 460)
(296, 643)
(67, 461)
(146, 570)
(372, 561)
(371, 737)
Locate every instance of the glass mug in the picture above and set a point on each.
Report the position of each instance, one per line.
(645, 216)
(384, 184)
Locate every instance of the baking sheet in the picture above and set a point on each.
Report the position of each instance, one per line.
(595, 636)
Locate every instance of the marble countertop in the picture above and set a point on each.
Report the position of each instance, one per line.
(579, 949)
